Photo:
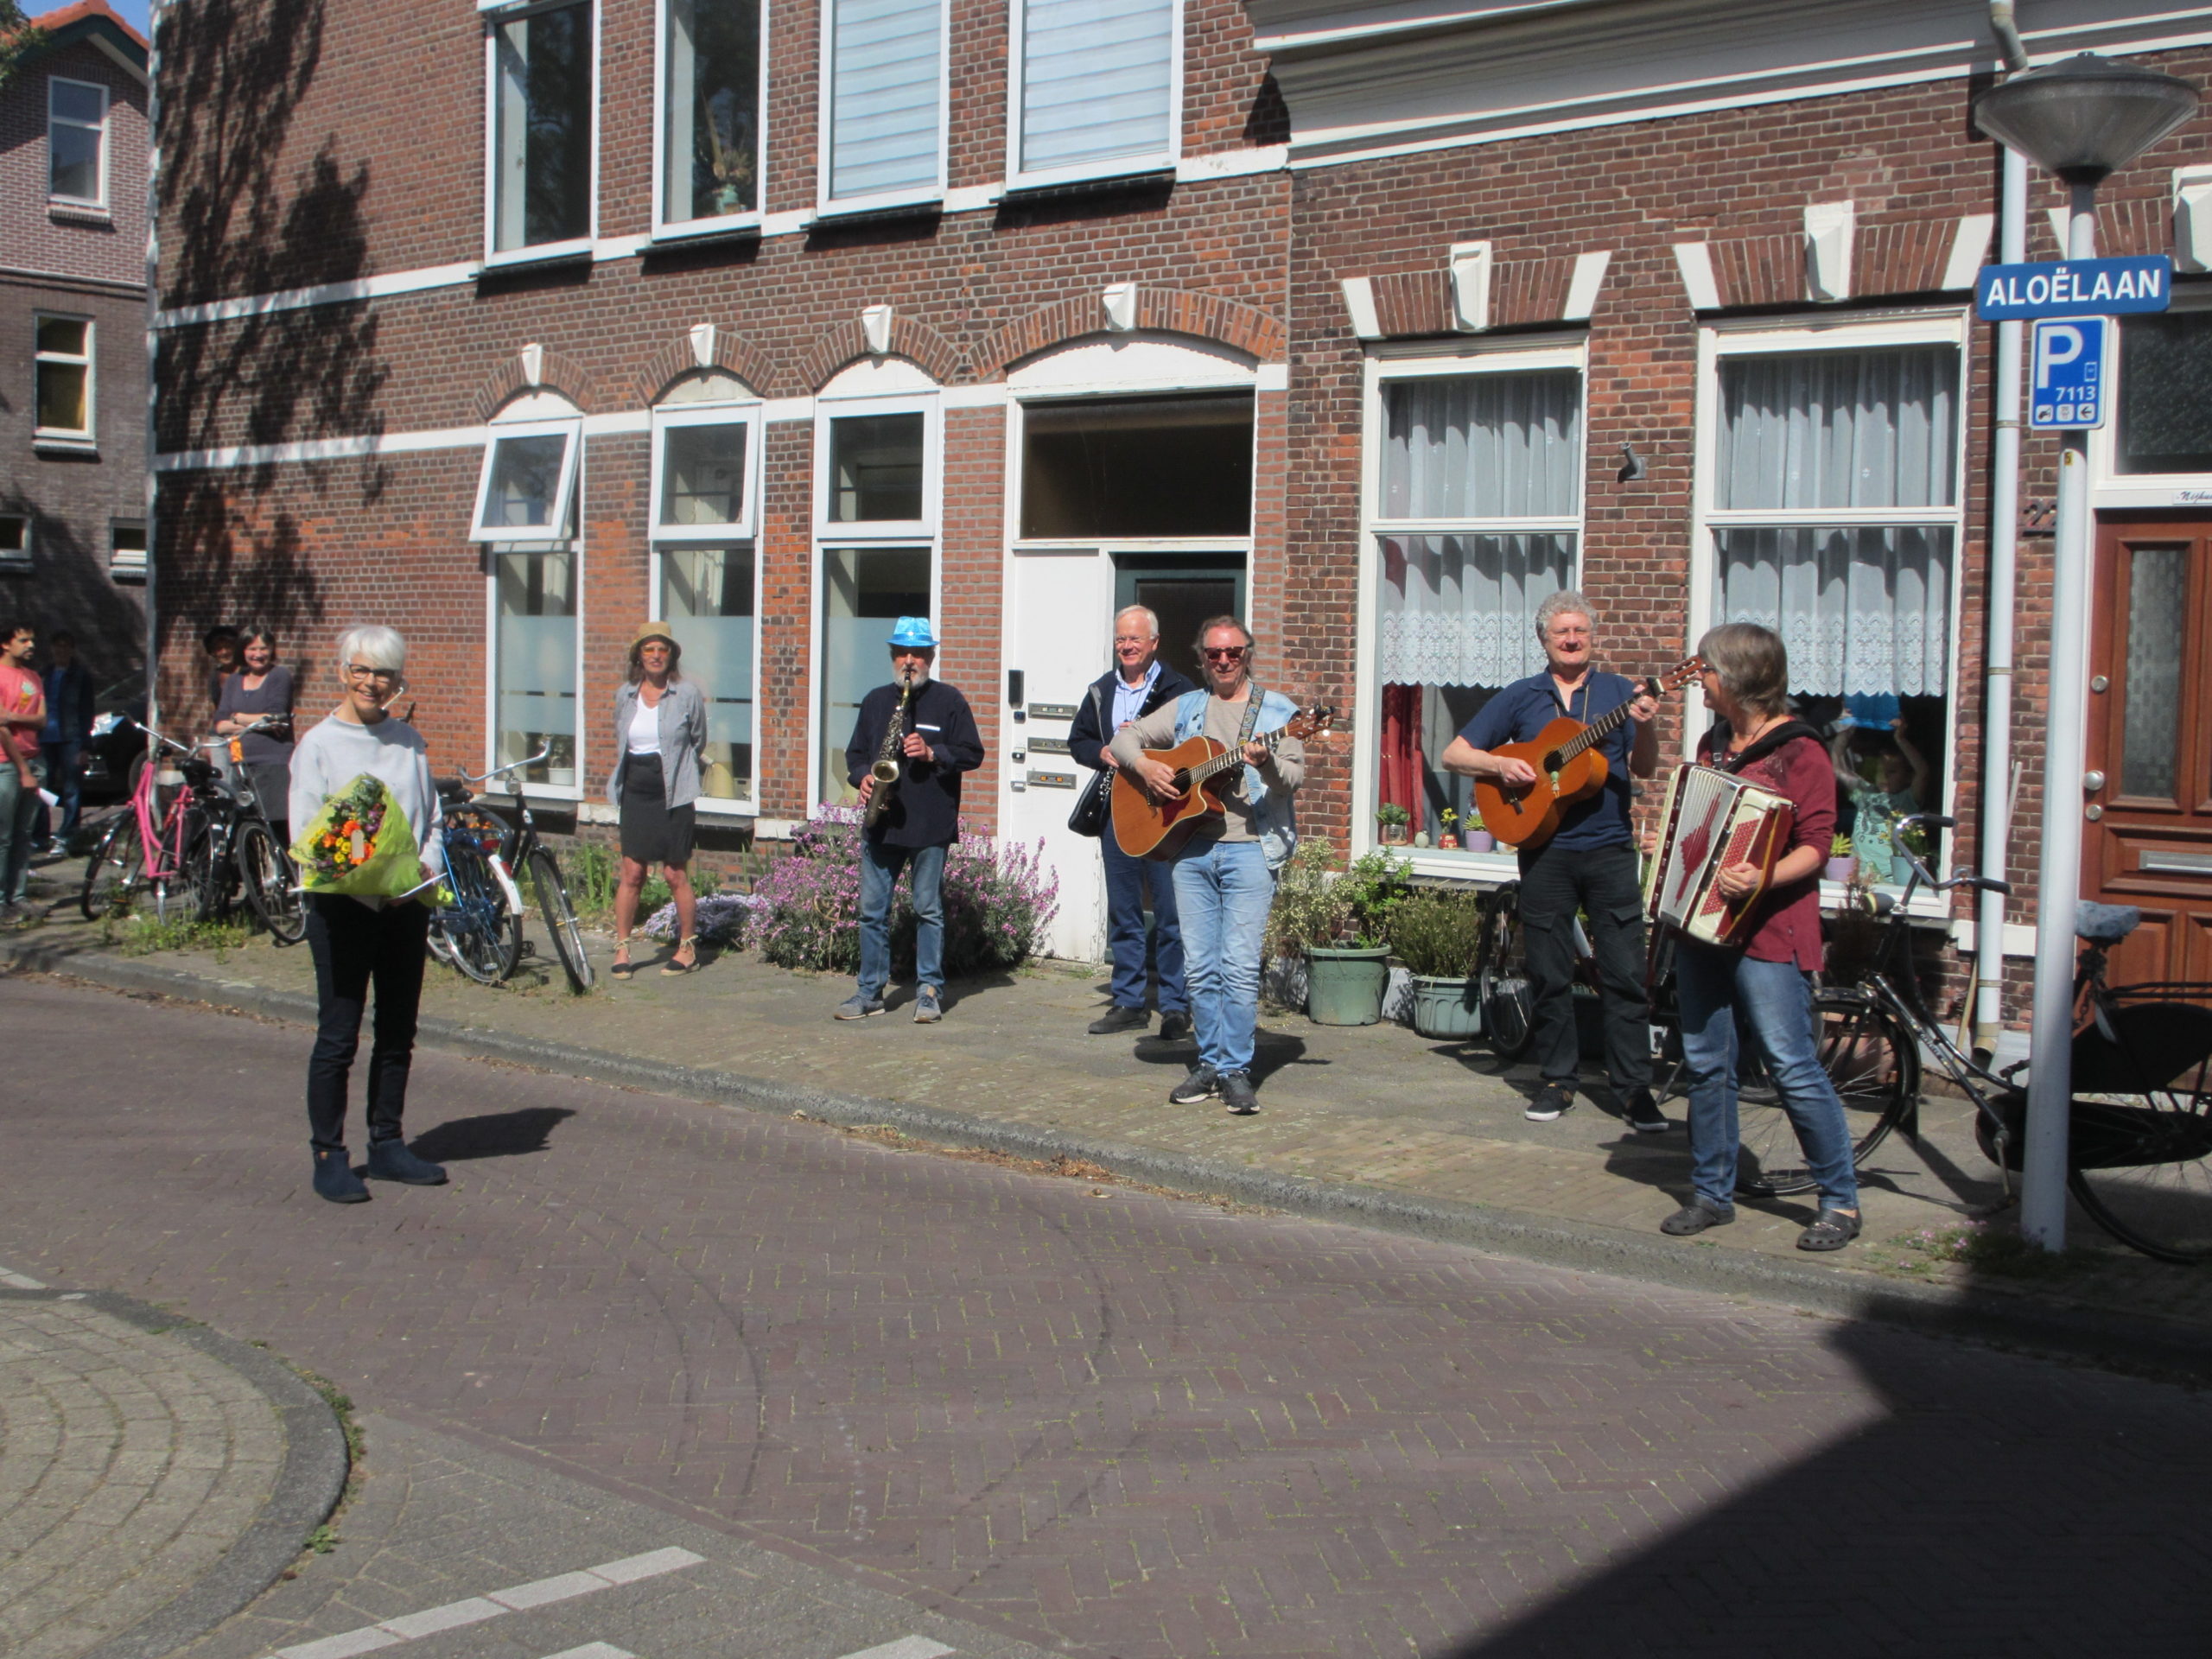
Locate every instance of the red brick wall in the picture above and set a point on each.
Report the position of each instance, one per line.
(68, 241)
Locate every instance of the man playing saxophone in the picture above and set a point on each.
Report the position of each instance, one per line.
(914, 739)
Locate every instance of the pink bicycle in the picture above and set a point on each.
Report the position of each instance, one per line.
(151, 848)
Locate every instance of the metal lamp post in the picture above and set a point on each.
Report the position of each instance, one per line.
(2082, 119)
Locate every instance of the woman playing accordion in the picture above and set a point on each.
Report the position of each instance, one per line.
(1765, 978)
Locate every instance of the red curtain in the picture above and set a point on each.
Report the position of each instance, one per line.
(1401, 758)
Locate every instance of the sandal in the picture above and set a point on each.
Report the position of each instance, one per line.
(678, 965)
(623, 968)
(1831, 1230)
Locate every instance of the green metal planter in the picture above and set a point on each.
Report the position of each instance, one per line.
(1344, 987)
(1446, 1010)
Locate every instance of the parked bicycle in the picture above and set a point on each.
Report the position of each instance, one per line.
(488, 853)
(151, 848)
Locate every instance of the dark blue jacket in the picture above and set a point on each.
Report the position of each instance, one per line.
(926, 811)
(1093, 727)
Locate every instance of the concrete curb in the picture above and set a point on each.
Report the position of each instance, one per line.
(309, 1485)
(2109, 1340)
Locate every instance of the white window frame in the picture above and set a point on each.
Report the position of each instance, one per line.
(2115, 490)
(19, 557)
(562, 529)
(1160, 161)
(677, 229)
(133, 567)
(722, 806)
(1386, 366)
(494, 12)
(829, 405)
(75, 436)
(52, 120)
(828, 207)
(1921, 326)
(667, 420)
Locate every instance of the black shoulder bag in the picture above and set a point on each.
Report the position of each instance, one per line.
(1090, 812)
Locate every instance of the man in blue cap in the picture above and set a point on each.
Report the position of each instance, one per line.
(937, 742)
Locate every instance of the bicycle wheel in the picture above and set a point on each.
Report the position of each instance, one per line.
(2139, 1154)
(1873, 1061)
(265, 871)
(560, 917)
(1501, 982)
(480, 938)
(116, 873)
(210, 873)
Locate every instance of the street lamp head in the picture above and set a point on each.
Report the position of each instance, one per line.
(2085, 116)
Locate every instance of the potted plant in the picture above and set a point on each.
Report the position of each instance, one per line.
(1841, 866)
(1347, 975)
(1309, 910)
(1392, 819)
(1449, 840)
(1478, 839)
(1437, 934)
(1914, 841)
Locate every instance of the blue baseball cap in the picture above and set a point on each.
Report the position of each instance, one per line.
(914, 631)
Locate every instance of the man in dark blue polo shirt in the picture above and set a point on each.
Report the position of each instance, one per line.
(1589, 863)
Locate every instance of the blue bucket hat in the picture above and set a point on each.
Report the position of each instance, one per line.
(914, 631)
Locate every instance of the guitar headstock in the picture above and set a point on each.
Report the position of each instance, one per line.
(1677, 676)
(1314, 721)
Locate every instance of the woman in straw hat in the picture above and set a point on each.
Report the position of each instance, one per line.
(660, 732)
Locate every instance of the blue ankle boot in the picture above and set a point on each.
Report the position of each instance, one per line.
(334, 1178)
(390, 1160)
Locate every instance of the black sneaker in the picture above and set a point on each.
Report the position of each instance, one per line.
(1119, 1018)
(1696, 1216)
(1552, 1101)
(1175, 1027)
(1236, 1094)
(1642, 1113)
(1201, 1084)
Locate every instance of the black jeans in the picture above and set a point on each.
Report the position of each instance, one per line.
(354, 946)
(1602, 882)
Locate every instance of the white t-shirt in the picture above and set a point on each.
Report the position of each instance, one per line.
(645, 730)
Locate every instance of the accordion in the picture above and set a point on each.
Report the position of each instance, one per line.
(1712, 819)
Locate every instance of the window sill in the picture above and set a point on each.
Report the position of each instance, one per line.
(1147, 175)
(12, 566)
(693, 233)
(728, 809)
(46, 445)
(79, 213)
(539, 258)
(133, 573)
(831, 216)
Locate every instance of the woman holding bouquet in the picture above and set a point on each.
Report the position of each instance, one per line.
(660, 732)
(371, 836)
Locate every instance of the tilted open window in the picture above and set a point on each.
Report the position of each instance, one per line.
(526, 493)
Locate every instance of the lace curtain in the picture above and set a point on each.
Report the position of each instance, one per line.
(1861, 608)
(1482, 446)
(1461, 610)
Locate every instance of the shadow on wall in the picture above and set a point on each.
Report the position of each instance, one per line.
(75, 591)
(235, 77)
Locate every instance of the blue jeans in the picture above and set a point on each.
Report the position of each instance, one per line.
(879, 868)
(1775, 999)
(20, 808)
(1136, 952)
(64, 775)
(1224, 890)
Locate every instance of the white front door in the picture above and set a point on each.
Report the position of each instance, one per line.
(1060, 638)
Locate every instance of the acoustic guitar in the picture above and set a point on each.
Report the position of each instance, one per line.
(1569, 768)
(1158, 830)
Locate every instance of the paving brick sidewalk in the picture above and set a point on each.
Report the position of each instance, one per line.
(133, 1465)
(1379, 1108)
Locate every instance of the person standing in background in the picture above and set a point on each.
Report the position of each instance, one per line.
(22, 770)
(259, 690)
(221, 645)
(1137, 684)
(68, 725)
(660, 731)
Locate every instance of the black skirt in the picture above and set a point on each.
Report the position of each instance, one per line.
(652, 831)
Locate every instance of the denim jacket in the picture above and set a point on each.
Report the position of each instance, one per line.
(1273, 815)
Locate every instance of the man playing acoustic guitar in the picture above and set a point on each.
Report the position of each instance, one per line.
(1589, 862)
(1224, 876)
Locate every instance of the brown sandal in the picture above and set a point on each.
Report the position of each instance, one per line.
(677, 966)
(623, 967)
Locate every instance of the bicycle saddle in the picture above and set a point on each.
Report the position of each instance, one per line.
(2104, 923)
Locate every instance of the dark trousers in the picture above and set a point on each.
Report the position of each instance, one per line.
(355, 947)
(1138, 952)
(1602, 882)
(65, 782)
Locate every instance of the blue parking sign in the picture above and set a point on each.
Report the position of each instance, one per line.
(2066, 381)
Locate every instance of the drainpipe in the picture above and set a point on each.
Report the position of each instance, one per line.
(2004, 563)
(155, 14)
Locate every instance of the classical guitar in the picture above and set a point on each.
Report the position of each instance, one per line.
(1568, 766)
(1150, 829)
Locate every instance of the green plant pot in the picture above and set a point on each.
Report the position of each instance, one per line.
(1344, 987)
(1446, 1010)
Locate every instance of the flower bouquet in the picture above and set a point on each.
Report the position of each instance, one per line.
(361, 844)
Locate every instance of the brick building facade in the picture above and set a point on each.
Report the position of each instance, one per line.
(72, 335)
(1378, 325)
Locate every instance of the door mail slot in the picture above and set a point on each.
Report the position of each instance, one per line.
(1053, 710)
(2168, 863)
(1051, 780)
(1050, 745)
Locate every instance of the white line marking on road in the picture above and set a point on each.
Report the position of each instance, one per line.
(451, 1617)
(19, 1280)
(472, 1610)
(906, 1647)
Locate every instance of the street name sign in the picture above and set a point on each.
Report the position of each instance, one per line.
(2074, 288)
(2067, 390)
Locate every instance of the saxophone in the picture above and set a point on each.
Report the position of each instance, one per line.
(886, 770)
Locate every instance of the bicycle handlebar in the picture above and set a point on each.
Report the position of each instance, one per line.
(539, 758)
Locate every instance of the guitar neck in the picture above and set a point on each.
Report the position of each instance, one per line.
(1228, 758)
(1598, 729)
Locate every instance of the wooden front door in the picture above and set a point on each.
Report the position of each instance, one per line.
(2148, 840)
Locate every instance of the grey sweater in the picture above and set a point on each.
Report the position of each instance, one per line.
(336, 752)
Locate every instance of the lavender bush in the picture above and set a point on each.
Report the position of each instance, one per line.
(998, 900)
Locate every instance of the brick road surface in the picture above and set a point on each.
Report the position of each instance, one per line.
(1096, 1418)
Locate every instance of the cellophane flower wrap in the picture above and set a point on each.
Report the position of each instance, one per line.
(359, 844)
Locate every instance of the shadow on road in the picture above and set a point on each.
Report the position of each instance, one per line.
(493, 1134)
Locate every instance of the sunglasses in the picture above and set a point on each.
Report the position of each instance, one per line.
(1225, 653)
(382, 675)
